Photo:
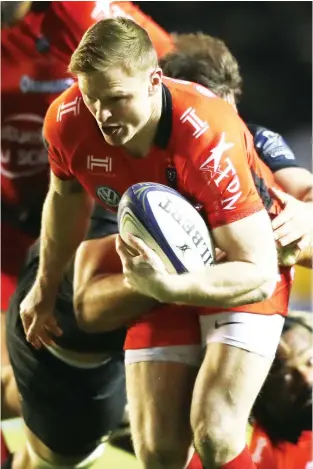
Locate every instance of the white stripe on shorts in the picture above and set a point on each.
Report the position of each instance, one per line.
(188, 354)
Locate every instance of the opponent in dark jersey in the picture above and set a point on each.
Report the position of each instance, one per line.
(68, 402)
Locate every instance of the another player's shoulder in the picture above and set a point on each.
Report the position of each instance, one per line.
(66, 114)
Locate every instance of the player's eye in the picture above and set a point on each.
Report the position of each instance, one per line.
(118, 99)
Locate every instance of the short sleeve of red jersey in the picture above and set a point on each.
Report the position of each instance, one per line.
(52, 142)
(217, 174)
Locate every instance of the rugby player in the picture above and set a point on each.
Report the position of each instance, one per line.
(144, 127)
(73, 390)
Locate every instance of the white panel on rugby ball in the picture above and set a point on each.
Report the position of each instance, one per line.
(183, 228)
(168, 224)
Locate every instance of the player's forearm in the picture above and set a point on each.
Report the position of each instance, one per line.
(65, 220)
(307, 196)
(106, 303)
(226, 285)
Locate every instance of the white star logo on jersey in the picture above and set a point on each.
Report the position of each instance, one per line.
(216, 155)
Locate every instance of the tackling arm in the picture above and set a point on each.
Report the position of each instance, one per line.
(102, 301)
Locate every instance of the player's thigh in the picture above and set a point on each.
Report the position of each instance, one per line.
(240, 348)
(162, 355)
(159, 397)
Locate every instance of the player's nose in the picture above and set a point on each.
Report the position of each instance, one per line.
(102, 115)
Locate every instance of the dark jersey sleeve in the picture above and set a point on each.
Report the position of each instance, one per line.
(272, 148)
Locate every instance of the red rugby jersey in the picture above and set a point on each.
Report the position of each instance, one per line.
(199, 135)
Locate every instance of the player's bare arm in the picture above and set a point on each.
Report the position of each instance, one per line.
(297, 182)
(102, 300)
(249, 276)
(65, 220)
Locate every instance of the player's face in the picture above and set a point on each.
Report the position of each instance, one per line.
(121, 103)
(291, 378)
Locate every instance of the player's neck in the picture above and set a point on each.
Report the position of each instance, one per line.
(140, 145)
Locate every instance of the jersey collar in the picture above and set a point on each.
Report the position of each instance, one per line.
(164, 129)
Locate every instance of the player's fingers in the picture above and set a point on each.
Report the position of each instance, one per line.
(121, 250)
(138, 244)
(26, 322)
(283, 230)
(220, 255)
(279, 195)
(290, 238)
(53, 327)
(45, 337)
(32, 334)
(282, 218)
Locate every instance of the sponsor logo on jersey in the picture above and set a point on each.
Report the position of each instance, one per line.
(28, 85)
(199, 125)
(97, 165)
(108, 196)
(218, 170)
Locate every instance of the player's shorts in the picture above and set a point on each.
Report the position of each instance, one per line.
(181, 334)
(14, 246)
(68, 408)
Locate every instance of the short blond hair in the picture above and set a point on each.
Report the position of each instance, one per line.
(205, 60)
(114, 42)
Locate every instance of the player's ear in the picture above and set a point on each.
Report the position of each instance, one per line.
(155, 81)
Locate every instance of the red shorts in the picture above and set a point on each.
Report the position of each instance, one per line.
(179, 333)
(165, 325)
(14, 246)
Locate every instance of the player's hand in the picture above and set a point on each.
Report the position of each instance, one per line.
(36, 312)
(294, 223)
(143, 270)
(292, 227)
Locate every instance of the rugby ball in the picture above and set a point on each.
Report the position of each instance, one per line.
(168, 224)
